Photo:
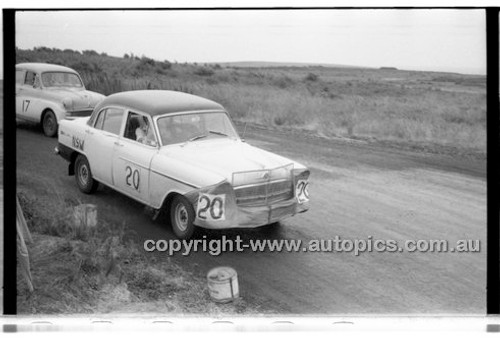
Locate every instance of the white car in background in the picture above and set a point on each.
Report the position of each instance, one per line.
(47, 93)
(180, 153)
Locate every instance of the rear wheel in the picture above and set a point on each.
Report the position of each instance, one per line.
(49, 124)
(182, 217)
(83, 175)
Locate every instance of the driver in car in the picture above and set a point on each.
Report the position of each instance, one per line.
(143, 133)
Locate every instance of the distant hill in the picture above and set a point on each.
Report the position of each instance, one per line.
(270, 64)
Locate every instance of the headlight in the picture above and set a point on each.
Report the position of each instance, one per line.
(67, 103)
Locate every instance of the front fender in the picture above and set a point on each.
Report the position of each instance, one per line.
(59, 110)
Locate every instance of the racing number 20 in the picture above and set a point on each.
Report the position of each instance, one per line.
(211, 207)
(133, 178)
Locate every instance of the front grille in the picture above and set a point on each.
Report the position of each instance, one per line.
(264, 194)
(264, 187)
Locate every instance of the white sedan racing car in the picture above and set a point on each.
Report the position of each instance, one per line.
(180, 153)
(47, 93)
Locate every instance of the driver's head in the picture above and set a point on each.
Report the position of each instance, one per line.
(143, 123)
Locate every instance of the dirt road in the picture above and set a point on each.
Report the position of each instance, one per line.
(358, 191)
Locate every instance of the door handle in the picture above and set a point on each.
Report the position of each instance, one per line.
(117, 143)
(89, 131)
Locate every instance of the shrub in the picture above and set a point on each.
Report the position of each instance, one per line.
(165, 65)
(312, 77)
(147, 61)
(282, 82)
(204, 71)
(70, 51)
(90, 52)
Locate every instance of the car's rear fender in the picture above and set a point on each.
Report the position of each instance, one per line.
(72, 133)
(72, 136)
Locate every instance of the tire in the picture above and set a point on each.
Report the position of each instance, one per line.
(49, 124)
(182, 217)
(83, 176)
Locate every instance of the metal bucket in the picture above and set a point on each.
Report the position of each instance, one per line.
(85, 215)
(223, 284)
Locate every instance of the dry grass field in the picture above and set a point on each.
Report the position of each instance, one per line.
(427, 108)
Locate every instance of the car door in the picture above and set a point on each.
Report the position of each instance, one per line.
(100, 142)
(26, 97)
(132, 158)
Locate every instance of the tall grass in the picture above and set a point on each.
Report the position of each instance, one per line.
(419, 107)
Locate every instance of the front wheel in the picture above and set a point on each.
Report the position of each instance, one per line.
(49, 124)
(182, 217)
(83, 175)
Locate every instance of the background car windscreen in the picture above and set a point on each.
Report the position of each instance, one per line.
(60, 79)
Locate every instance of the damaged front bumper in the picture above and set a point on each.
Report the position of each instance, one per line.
(216, 206)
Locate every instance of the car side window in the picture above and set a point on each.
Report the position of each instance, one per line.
(140, 128)
(100, 119)
(30, 78)
(113, 120)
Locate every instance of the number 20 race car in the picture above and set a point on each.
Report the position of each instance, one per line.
(181, 153)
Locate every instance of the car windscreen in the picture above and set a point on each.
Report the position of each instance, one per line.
(174, 129)
(61, 79)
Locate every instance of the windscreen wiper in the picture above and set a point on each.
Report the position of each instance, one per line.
(201, 136)
(218, 133)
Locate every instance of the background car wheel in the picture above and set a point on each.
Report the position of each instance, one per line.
(182, 217)
(49, 124)
(83, 175)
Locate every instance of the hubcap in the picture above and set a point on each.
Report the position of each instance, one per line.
(84, 175)
(181, 217)
(49, 124)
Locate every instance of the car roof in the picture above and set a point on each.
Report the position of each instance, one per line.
(157, 102)
(42, 67)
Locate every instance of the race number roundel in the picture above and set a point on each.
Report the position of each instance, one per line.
(302, 191)
(211, 207)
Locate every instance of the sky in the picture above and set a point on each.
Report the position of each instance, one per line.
(432, 40)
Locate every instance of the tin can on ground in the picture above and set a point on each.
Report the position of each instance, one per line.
(223, 284)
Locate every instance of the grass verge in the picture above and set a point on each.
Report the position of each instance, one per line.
(96, 270)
